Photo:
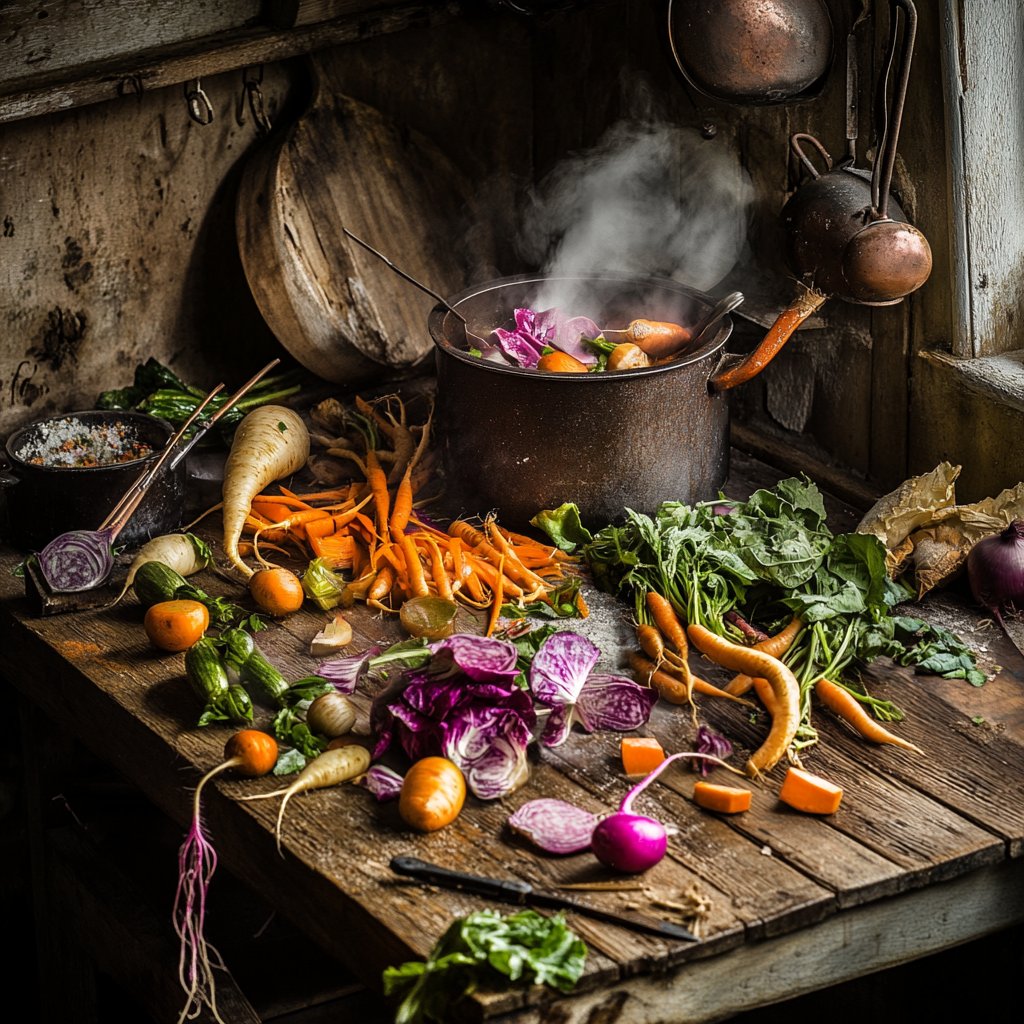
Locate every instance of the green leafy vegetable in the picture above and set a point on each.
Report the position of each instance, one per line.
(769, 558)
(563, 526)
(486, 949)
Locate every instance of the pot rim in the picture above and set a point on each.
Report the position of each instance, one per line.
(440, 312)
(18, 436)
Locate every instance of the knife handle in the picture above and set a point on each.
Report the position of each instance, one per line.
(510, 890)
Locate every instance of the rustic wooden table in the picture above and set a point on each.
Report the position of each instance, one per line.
(924, 853)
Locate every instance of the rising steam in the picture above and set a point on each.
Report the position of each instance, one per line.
(650, 200)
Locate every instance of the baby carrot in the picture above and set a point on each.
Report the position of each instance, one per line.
(672, 629)
(845, 705)
(402, 508)
(438, 572)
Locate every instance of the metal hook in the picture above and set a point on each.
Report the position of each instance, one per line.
(200, 109)
(257, 107)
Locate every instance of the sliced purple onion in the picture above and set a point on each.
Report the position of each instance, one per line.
(77, 560)
(554, 825)
(614, 702)
(344, 673)
(383, 782)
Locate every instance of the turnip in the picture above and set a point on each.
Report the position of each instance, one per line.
(185, 553)
(272, 442)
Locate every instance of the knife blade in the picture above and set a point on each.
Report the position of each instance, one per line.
(522, 893)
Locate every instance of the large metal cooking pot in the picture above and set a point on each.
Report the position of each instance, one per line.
(517, 441)
(42, 502)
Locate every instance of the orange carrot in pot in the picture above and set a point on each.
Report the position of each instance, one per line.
(786, 718)
(657, 338)
(558, 361)
(845, 705)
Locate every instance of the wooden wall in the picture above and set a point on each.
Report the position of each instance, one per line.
(117, 236)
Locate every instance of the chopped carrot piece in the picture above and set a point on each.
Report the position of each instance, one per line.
(810, 793)
(640, 754)
(337, 549)
(724, 799)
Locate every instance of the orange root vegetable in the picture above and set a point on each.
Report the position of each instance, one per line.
(177, 624)
(673, 630)
(776, 646)
(251, 753)
(671, 687)
(331, 768)
(270, 443)
(432, 795)
(806, 303)
(810, 793)
(724, 799)
(657, 338)
(786, 717)
(640, 754)
(495, 610)
(764, 692)
(845, 705)
(557, 361)
(278, 592)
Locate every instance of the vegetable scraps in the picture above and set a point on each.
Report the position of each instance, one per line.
(769, 559)
(486, 948)
(551, 341)
(473, 703)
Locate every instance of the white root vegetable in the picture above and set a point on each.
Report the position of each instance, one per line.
(331, 768)
(272, 442)
(185, 553)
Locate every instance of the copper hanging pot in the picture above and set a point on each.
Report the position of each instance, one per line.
(845, 235)
(752, 51)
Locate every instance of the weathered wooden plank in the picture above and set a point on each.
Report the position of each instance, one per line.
(846, 946)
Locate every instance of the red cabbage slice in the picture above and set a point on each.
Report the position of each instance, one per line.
(344, 672)
(383, 782)
(614, 702)
(561, 666)
(554, 825)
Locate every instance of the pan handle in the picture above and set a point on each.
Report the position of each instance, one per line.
(733, 374)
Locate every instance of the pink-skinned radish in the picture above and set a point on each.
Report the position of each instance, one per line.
(630, 842)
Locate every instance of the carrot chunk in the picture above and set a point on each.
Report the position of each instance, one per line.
(725, 799)
(810, 793)
(640, 754)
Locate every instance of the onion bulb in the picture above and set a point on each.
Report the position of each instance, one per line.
(995, 570)
(331, 715)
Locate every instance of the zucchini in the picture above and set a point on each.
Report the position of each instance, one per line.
(244, 657)
(208, 677)
(155, 582)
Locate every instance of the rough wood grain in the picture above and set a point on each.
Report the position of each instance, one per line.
(339, 310)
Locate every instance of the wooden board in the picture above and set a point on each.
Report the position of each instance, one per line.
(908, 825)
(339, 310)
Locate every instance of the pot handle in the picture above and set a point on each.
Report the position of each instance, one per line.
(732, 374)
(794, 145)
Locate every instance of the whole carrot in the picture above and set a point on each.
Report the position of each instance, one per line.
(672, 687)
(786, 323)
(845, 705)
(786, 689)
(667, 622)
(776, 646)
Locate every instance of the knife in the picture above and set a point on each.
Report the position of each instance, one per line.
(524, 894)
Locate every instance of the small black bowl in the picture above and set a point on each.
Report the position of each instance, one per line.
(42, 502)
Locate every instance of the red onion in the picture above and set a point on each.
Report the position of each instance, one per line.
(630, 842)
(995, 570)
(77, 560)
